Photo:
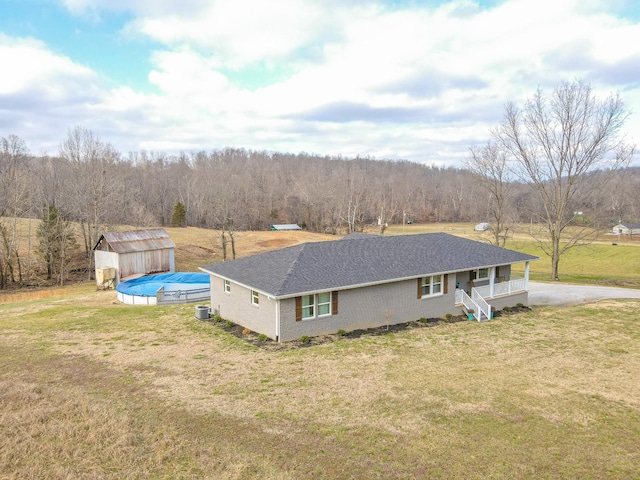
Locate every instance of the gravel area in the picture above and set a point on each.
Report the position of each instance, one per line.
(564, 294)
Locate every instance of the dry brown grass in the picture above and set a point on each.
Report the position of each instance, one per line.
(90, 388)
(195, 247)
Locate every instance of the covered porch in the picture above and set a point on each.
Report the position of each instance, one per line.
(486, 285)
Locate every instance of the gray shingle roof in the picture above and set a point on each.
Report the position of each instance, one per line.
(333, 265)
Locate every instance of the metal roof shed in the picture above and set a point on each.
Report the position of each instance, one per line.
(135, 252)
(288, 226)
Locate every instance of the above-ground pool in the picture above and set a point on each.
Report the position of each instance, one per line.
(177, 287)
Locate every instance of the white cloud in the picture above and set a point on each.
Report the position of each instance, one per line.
(138, 7)
(28, 65)
(354, 78)
(241, 32)
(42, 92)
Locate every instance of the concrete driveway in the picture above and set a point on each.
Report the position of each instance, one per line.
(563, 294)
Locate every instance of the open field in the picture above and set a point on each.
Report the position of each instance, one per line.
(90, 388)
(600, 262)
(196, 247)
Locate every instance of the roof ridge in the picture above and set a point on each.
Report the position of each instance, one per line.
(291, 268)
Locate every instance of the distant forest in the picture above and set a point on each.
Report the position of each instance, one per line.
(93, 184)
(250, 190)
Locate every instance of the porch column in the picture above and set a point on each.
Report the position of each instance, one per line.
(492, 280)
(526, 276)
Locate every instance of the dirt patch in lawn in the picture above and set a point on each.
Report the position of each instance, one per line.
(277, 243)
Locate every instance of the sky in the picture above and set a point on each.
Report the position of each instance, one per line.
(388, 79)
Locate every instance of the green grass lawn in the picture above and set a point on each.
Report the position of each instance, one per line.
(596, 263)
(90, 388)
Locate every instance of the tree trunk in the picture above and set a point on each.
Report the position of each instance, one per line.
(224, 245)
(555, 257)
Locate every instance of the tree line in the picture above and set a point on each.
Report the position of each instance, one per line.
(92, 185)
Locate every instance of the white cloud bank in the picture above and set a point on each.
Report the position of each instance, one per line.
(350, 78)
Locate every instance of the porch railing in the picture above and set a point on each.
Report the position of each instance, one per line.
(483, 306)
(475, 304)
(503, 288)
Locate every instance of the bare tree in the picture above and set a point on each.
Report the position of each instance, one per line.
(14, 203)
(490, 165)
(56, 243)
(93, 184)
(557, 143)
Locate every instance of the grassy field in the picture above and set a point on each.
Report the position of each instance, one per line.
(600, 262)
(597, 263)
(91, 388)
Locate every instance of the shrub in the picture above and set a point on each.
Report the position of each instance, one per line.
(507, 309)
(449, 316)
(262, 338)
(246, 331)
(423, 320)
(305, 339)
(342, 332)
(217, 318)
(520, 305)
(229, 324)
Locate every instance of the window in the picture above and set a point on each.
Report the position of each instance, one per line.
(436, 285)
(308, 304)
(227, 286)
(315, 306)
(255, 297)
(431, 285)
(482, 273)
(324, 304)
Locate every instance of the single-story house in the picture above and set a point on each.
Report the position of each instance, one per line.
(134, 252)
(365, 281)
(627, 229)
(288, 226)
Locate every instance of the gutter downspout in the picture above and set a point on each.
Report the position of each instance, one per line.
(277, 320)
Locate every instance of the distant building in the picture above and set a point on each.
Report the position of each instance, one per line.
(481, 227)
(627, 229)
(287, 226)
